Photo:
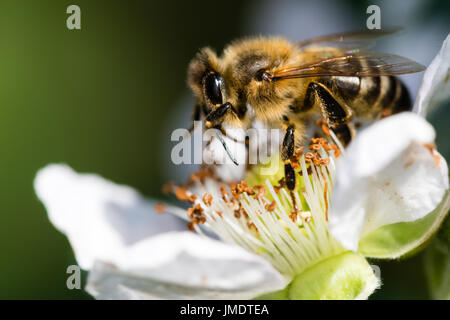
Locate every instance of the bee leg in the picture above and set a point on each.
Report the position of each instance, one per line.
(247, 149)
(287, 151)
(214, 119)
(216, 116)
(195, 116)
(336, 115)
(287, 148)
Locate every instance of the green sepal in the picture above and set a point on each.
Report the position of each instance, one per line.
(437, 263)
(276, 295)
(404, 238)
(346, 276)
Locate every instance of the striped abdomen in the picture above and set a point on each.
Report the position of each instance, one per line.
(371, 97)
(358, 98)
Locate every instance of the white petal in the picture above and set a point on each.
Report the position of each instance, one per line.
(223, 165)
(435, 86)
(183, 265)
(387, 175)
(100, 218)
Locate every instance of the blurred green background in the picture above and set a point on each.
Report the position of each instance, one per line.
(105, 98)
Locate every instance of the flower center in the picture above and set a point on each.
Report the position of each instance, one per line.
(259, 215)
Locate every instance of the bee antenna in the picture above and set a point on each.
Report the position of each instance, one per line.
(219, 136)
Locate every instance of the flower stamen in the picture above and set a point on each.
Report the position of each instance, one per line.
(287, 227)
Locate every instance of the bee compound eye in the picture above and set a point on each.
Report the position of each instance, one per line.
(213, 84)
(263, 75)
(259, 74)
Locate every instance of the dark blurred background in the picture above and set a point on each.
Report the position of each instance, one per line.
(105, 98)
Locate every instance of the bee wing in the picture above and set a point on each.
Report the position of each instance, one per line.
(359, 64)
(349, 40)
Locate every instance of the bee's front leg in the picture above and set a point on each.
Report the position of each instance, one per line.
(287, 152)
(216, 116)
(215, 119)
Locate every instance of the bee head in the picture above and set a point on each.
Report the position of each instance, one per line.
(206, 80)
(250, 63)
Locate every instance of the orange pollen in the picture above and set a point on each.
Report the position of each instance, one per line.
(160, 208)
(260, 191)
(192, 198)
(207, 199)
(432, 148)
(195, 177)
(190, 226)
(306, 216)
(293, 216)
(299, 151)
(325, 191)
(167, 187)
(224, 194)
(251, 225)
(325, 130)
(337, 151)
(323, 125)
(195, 214)
(270, 207)
(324, 162)
(181, 193)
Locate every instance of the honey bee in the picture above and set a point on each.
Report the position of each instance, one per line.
(286, 85)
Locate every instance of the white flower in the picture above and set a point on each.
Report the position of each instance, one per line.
(390, 174)
(377, 184)
(435, 86)
(113, 230)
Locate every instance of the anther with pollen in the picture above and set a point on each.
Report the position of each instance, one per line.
(196, 216)
(184, 195)
(160, 208)
(207, 199)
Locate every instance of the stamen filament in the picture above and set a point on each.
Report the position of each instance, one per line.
(260, 218)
